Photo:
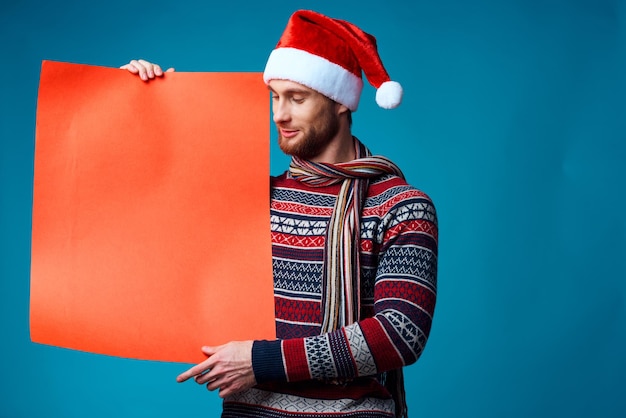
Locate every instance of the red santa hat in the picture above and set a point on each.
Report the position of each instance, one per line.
(328, 55)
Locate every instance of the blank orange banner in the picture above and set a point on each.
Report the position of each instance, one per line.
(150, 233)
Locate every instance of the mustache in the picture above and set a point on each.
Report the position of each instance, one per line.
(285, 126)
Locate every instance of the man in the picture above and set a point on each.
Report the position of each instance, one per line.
(354, 246)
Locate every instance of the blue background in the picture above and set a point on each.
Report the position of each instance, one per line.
(513, 121)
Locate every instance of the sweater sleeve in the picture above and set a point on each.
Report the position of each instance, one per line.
(404, 302)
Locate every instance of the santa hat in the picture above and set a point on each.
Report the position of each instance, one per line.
(328, 55)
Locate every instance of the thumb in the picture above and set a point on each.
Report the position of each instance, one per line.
(209, 351)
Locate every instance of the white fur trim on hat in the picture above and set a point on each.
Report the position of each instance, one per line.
(315, 72)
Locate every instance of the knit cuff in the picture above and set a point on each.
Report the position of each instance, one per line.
(267, 361)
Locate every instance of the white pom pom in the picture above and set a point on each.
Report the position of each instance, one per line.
(389, 95)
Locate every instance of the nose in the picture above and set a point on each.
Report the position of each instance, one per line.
(280, 111)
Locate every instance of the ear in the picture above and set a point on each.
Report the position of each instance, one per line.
(340, 109)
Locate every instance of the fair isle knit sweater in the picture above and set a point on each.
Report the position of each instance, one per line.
(341, 373)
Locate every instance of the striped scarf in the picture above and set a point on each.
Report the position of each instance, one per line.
(341, 284)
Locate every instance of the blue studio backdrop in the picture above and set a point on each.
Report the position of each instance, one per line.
(513, 121)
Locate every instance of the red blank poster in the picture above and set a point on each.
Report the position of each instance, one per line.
(151, 212)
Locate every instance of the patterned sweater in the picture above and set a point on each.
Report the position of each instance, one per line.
(305, 372)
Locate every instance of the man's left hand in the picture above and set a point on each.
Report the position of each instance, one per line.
(227, 368)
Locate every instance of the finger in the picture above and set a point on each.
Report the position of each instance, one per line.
(139, 69)
(153, 70)
(129, 67)
(214, 385)
(225, 392)
(229, 384)
(196, 370)
(157, 70)
(209, 375)
(218, 382)
(187, 374)
(201, 368)
(170, 70)
(226, 389)
(221, 382)
(149, 67)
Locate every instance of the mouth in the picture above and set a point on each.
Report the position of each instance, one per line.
(288, 133)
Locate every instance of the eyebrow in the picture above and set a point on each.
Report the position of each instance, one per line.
(291, 91)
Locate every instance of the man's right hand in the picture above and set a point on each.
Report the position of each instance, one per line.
(146, 70)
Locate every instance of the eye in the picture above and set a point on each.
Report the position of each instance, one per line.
(297, 99)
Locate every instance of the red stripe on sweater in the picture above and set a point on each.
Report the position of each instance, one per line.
(383, 186)
(295, 360)
(411, 291)
(298, 310)
(315, 241)
(417, 225)
(383, 350)
(299, 208)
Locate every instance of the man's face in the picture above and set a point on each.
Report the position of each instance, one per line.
(307, 121)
